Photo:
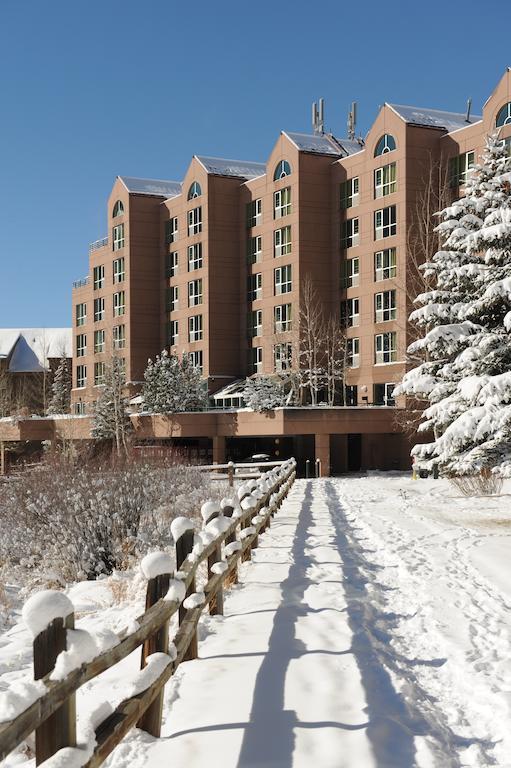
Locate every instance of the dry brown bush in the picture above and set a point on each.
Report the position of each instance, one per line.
(484, 484)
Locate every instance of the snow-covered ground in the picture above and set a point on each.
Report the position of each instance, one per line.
(371, 629)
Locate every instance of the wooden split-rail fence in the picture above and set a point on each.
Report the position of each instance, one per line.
(53, 715)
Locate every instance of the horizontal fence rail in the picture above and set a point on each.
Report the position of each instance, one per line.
(230, 532)
(237, 470)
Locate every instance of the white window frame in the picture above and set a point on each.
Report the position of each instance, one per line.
(173, 293)
(382, 185)
(173, 333)
(98, 274)
(99, 309)
(254, 249)
(195, 328)
(282, 242)
(99, 374)
(256, 359)
(282, 357)
(385, 307)
(385, 348)
(254, 213)
(283, 318)
(118, 237)
(195, 292)
(81, 314)
(171, 230)
(350, 233)
(81, 345)
(119, 336)
(352, 196)
(196, 359)
(81, 376)
(255, 293)
(353, 353)
(282, 280)
(385, 264)
(99, 341)
(282, 203)
(195, 257)
(351, 273)
(195, 220)
(119, 303)
(171, 264)
(118, 270)
(352, 312)
(383, 228)
(255, 323)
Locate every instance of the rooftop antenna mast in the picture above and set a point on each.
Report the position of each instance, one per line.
(352, 120)
(318, 117)
(469, 107)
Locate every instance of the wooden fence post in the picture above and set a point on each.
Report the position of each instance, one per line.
(230, 473)
(184, 546)
(232, 577)
(216, 605)
(159, 642)
(59, 730)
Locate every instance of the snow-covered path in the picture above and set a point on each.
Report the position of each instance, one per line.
(342, 648)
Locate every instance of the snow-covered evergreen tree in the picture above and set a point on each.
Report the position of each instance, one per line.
(172, 385)
(466, 375)
(110, 418)
(60, 401)
(263, 393)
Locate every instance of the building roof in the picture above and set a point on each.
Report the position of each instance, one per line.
(152, 186)
(434, 118)
(318, 143)
(28, 349)
(243, 169)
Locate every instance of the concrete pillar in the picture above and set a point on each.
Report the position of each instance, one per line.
(219, 450)
(322, 443)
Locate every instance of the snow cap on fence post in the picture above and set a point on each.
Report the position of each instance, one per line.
(42, 608)
(209, 510)
(156, 564)
(179, 526)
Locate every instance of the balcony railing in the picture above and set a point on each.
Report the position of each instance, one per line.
(81, 283)
(98, 244)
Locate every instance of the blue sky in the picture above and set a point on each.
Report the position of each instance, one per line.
(95, 88)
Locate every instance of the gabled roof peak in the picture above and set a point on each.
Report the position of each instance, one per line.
(433, 118)
(243, 169)
(156, 187)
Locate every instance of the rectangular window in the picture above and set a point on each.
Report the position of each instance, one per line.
(171, 264)
(282, 357)
(460, 167)
(385, 180)
(254, 287)
(255, 360)
(81, 314)
(195, 328)
(385, 264)
(507, 146)
(194, 293)
(254, 249)
(99, 342)
(351, 395)
(196, 359)
(171, 230)
(255, 323)
(353, 353)
(282, 203)
(118, 237)
(195, 221)
(172, 333)
(99, 277)
(119, 303)
(99, 310)
(349, 193)
(79, 409)
(282, 280)
(282, 318)
(350, 273)
(172, 302)
(385, 306)
(194, 257)
(81, 345)
(350, 313)
(282, 241)
(81, 376)
(385, 222)
(382, 394)
(119, 336)
(385, 347)
(118, 274)
(350, 233)
(254, 213)
(99, 374)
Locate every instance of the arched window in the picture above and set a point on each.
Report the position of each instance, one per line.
(194, 191)
(282, 170)
(118, 208)
(504, 115)
(387, 143)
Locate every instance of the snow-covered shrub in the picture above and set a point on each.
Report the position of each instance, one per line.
(65, 522)
(172, 385)
(61, 389)
(264, 393)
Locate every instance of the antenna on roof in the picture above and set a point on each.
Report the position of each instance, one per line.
(352, 120)
(469, 106)
(318, 117)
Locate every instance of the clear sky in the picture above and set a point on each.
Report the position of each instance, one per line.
(95, 88)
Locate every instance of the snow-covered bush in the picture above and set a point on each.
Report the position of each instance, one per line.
(263, 393)
(65, 522)
(172, 385)
(110, 419)
(61, 389)
(466, 324)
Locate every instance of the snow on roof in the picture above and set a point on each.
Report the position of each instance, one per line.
(244, 169)
(434, 118)
(230, 389)
(321, 144)
(28, 349)
(152, 186)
